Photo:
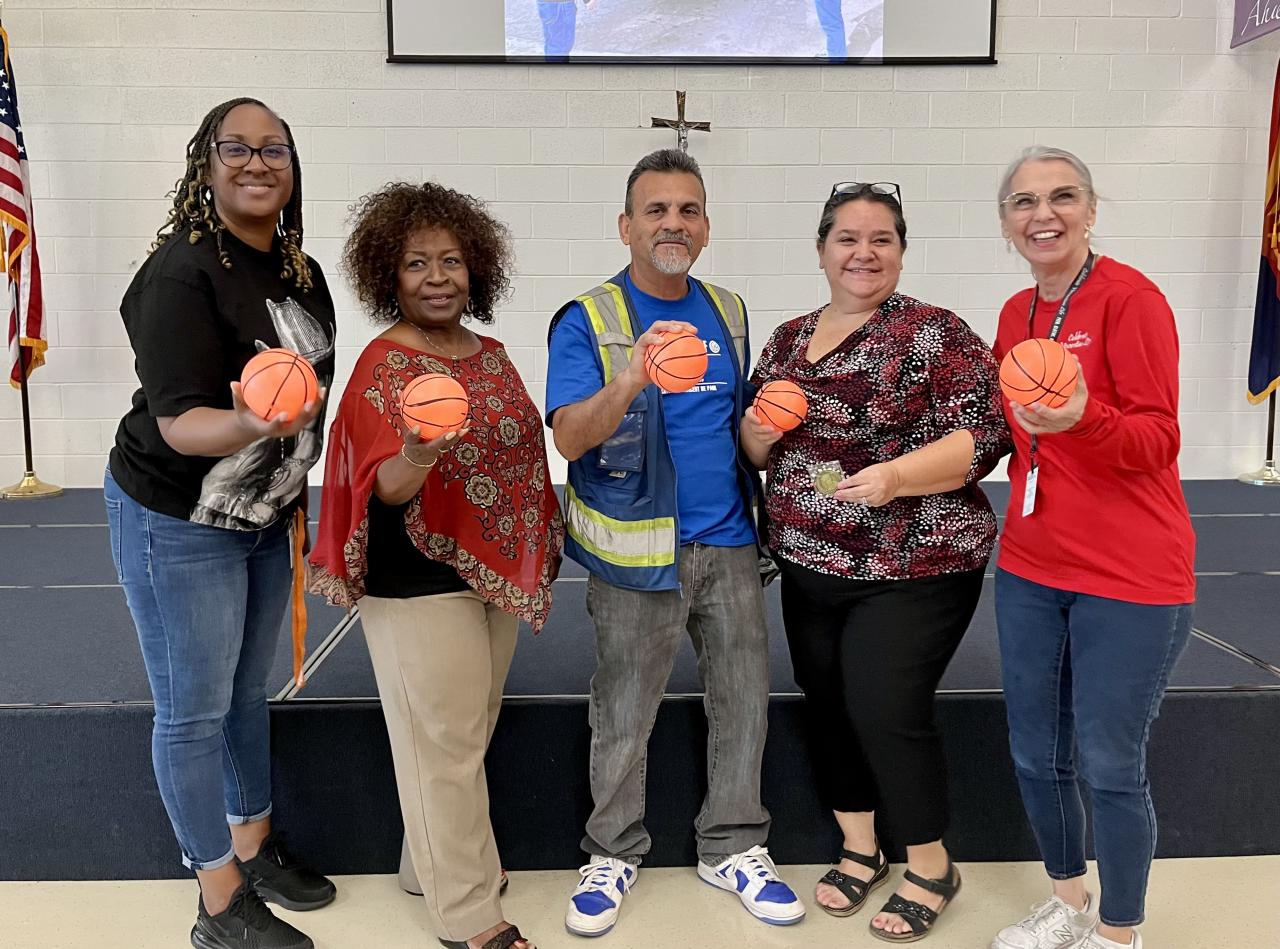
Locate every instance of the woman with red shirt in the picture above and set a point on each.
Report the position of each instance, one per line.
(444, 544)
(882, 534)
(1095, 583)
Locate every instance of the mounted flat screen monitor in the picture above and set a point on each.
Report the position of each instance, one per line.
(859, 32)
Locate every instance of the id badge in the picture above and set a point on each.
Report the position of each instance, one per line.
(1029, 494)
(826, 476)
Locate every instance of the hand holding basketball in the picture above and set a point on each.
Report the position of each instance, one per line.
(279, 427)
(753, 429)
(1040, 419)
(654, 334)
(277, 396)
(424, 454)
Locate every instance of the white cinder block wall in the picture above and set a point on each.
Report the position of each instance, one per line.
(1173, 124)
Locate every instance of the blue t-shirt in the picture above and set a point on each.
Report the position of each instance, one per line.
(700, 422)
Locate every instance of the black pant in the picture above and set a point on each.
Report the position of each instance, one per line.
(868, 655)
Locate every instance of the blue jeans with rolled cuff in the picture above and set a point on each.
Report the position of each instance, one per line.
(208, 604)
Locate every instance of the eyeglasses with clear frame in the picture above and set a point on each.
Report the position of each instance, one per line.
(276, 156)
(1065, 198)
(887, 188)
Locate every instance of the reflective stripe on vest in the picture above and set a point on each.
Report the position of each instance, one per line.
(650, 543)
(606, 309)
(733, 317)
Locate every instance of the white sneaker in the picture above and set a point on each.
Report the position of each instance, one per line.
(1052, 924)
(752, 875)
(594, 906)
(1092, 940)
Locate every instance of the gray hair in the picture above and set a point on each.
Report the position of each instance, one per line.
(669, 161)
(1044, 153)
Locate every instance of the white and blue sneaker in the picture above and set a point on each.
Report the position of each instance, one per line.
(752, 875)
(594, 906)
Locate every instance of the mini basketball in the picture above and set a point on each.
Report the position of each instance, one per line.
(436, 403)
(278, 381)
(1038, 372)
(678, 363)
(781, 403)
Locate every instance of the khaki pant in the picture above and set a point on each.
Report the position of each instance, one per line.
(441, 662)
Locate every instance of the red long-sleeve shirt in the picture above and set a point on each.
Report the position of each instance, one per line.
(1110, 518)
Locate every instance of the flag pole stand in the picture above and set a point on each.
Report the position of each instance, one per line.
(30, 487)
(1268, 475)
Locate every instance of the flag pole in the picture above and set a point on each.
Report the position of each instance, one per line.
(30, 487)
(1268, 475)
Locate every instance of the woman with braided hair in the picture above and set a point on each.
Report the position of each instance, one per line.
(202, 496)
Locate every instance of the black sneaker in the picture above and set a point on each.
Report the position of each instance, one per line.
(245, 924)
(280, 878)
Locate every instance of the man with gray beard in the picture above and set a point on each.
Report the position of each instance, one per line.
(658, 509)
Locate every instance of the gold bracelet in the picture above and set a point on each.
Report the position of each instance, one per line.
(414, 463)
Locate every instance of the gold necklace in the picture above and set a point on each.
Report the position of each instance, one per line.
(430, 342)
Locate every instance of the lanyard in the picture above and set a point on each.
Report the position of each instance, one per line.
(1059, 318)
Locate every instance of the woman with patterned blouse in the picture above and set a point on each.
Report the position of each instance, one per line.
(882, 534)
(444, 544)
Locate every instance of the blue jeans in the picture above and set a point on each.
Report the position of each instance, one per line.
(721, 607)
(208, 604)
(1087, 671)
(831, 17)
(559, 26)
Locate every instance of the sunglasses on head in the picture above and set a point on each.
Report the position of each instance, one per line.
(855, 188)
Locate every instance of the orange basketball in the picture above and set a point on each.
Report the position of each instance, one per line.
(678, 363)
(781, 403)
(278, 381)
(436, 403)
(1038, 371)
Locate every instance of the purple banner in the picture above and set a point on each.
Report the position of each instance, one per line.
(1254, 18)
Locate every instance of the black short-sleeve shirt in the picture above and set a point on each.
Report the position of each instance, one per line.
(193, 324)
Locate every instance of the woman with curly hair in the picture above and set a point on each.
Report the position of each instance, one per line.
(443, 543)
(201, 494)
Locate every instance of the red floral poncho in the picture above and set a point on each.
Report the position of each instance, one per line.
(487, 508)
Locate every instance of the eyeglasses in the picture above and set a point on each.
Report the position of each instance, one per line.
(1066, 198)
(887, 188)
(237, 154)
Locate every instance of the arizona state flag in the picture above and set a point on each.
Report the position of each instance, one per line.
(1264, 355)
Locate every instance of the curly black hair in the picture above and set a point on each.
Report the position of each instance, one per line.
(193, 210)
(384, 221)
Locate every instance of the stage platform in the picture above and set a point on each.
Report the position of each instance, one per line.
(80, 802)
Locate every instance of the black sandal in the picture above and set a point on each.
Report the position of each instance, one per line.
(854, 890)
(916, 915)
(504, 940)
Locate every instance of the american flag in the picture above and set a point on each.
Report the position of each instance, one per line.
(26, 305)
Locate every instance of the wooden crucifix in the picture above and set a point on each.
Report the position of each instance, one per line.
(680, 125)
